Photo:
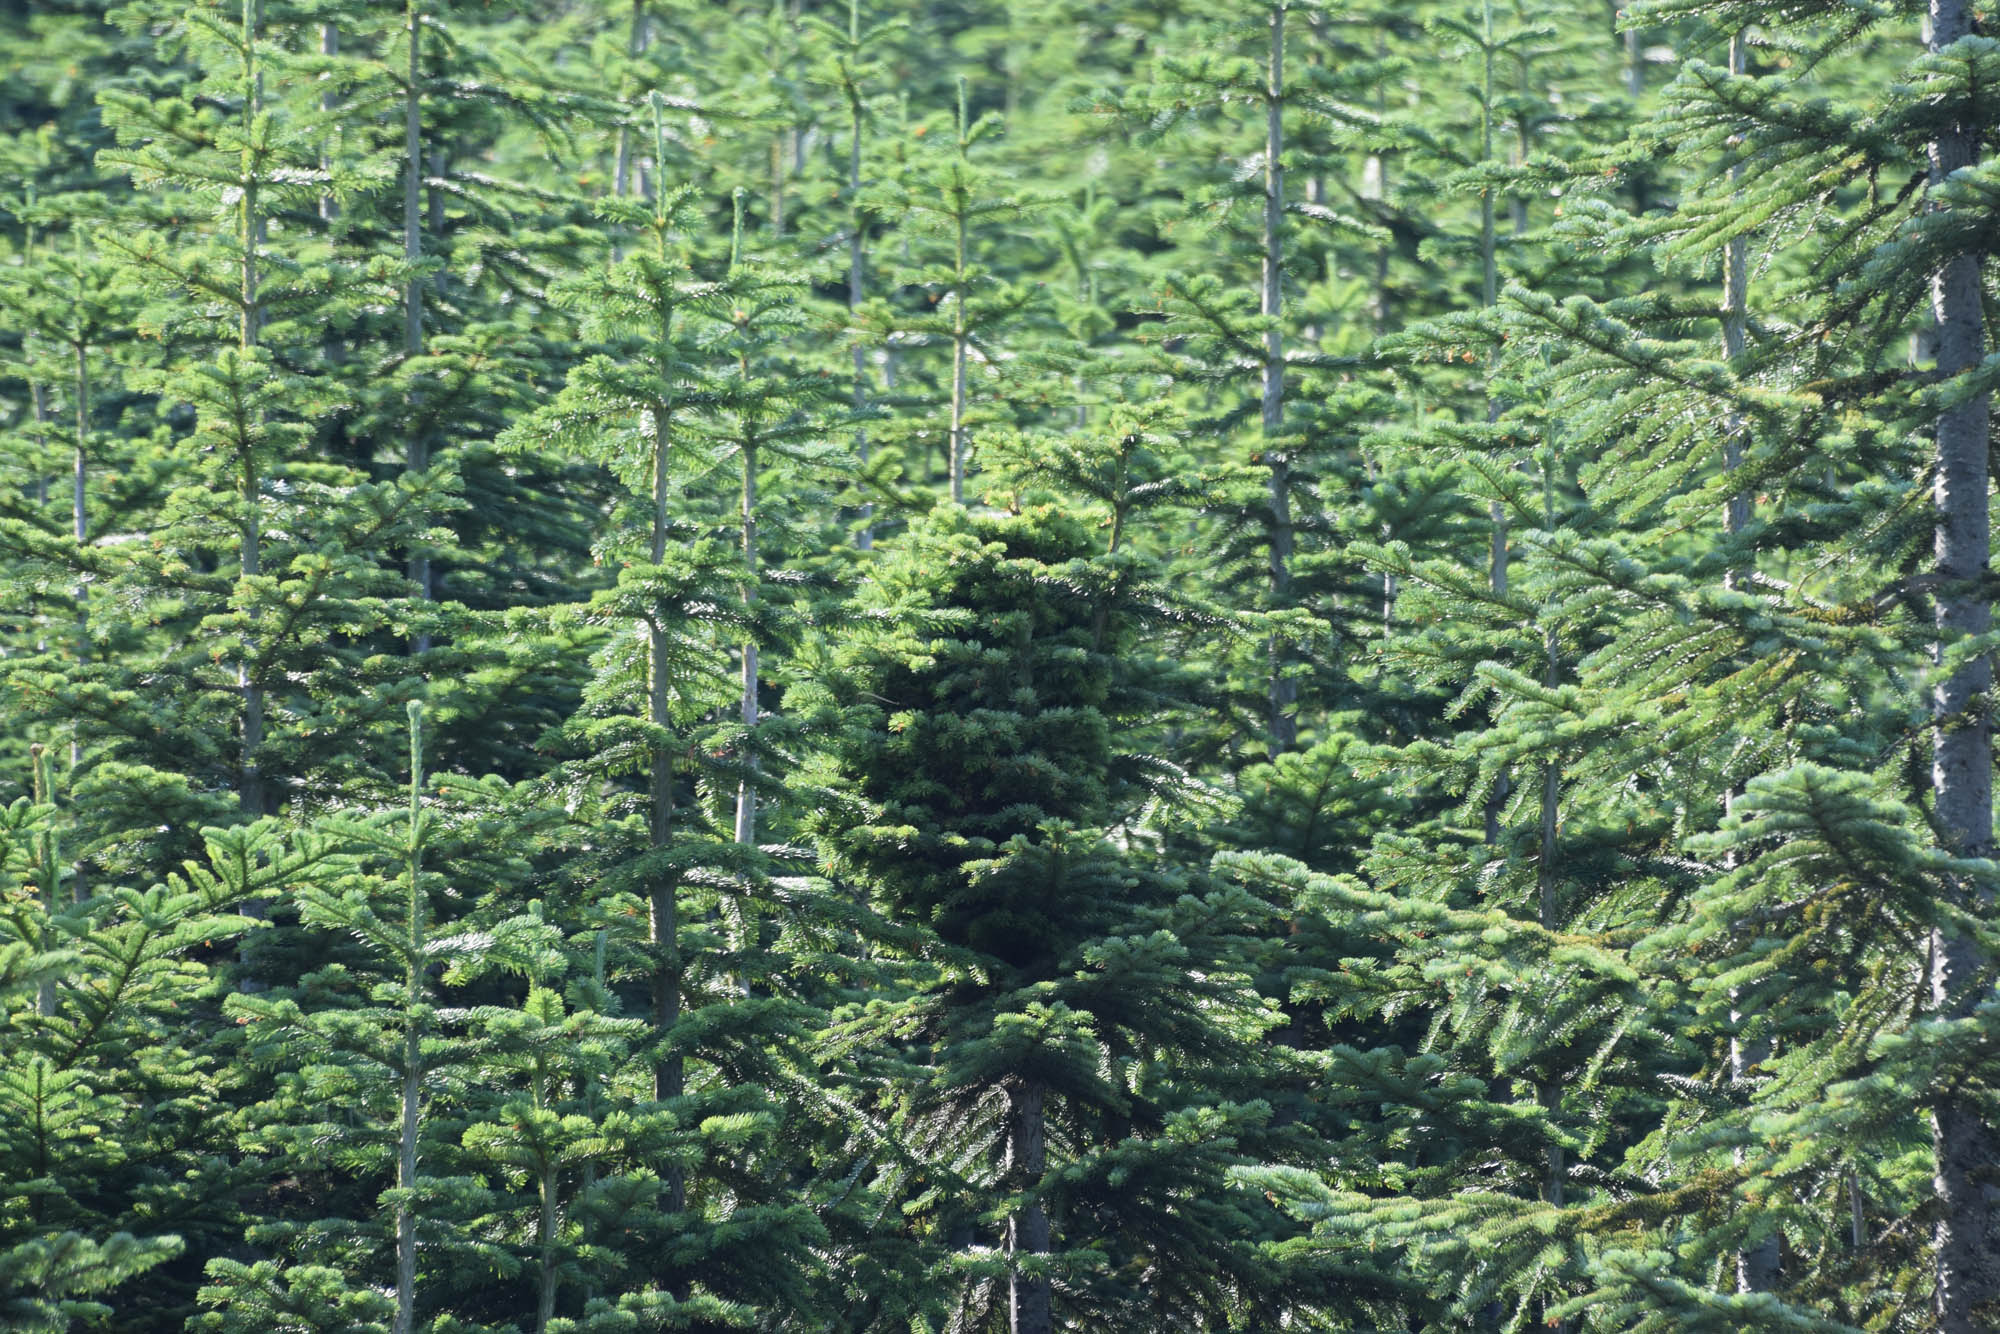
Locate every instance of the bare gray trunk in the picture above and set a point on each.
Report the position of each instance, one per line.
(1283, 690)
(413, 184)
(406, 1177)
(545, 1302)
(1968, 1234)
(746, 791)
(250, 782)
(960, 334)
(46, 862)
(79, 520)
(329, 207)
(1375, 187)
(1548, 907)
(413, 253)
(778, 184)
(1735, 318)
(1489, 289)
(38, 396)
(635, 45)
(412, 1094)
(1489, 296)
(856, 270)
(329, 45)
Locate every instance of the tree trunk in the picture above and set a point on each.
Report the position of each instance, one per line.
(413, 253)
(1489, 288)
(663, 909)
(778, 184)
(329, 207)
(1028, 1298)
(329, 45)
(959, 334)
(79, 519)
(406, 1155)
(545, 1303)
(746, 790)
(1968, 1240)
(865, 539)
(406, 1179)
(635, 46)
(1283, 691)
(1489, 297)
(46, 862)
(1557, 1173)
(1756, 1267)
(38, 396)
(250, 782)
(1548, 908)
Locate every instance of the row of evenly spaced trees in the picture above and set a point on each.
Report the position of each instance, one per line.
(972, 666)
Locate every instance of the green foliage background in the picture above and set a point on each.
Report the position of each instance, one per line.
(945, 665)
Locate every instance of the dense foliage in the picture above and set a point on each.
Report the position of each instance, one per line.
(874, 665)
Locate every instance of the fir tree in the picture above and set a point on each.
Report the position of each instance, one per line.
(1049, 1018)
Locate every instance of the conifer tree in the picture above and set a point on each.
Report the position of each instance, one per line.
(952, 209)
(682, 369)
(214, 570)
(1050, 1017)
(115, 1092)
(853, 59)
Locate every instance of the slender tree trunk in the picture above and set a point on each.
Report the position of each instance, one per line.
(663, 916)
(1548, 908)
(413, 1039)
(1283, 690)
(79, 519)
(38, 399)
(38, 394)
(45, 870)
(1028, 1298)
(635, 46)
(545, 1302)
(80, 462)
(1735, 317)
(329, 45)
(958, 348)
(1489, 297)
(856, 270)
(1967, 1148)
(1556, 1170)
(959, 334)
(250, 782)
(434, 202)
(406, 1178)
(1375, 187)
(1491, 283)
(1756, 1267)
(746, 790)
(413, 253)
(80, 533)
(413, 186)
(593, 1105)
(778, 184)
(329, 206)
